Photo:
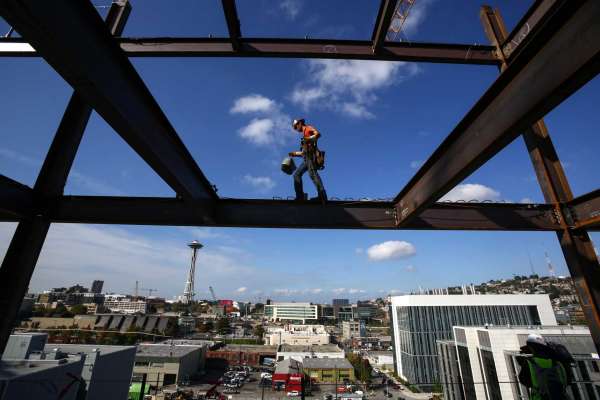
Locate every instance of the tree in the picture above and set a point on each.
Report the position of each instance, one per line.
(79, 309)
(259, 331)
(223, 326)
(362, 367)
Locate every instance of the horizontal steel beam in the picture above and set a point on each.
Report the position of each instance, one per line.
(554, 61)
(285, 48)
(585, 211)
(87, 57)
(290, 214)
(16, 199)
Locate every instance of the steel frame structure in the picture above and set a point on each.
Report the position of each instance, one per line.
(92, 57)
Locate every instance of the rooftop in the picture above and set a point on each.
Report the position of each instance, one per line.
(163, 351)
(249, 348)
(326, 363)
(315, 348)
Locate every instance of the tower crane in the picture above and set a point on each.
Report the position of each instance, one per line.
(399, 19)
(212, 293)
(149, 291)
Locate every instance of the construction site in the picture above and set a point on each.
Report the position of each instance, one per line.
(551, 52)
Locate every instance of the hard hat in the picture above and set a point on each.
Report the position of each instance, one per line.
(297, 121)
(535, 338)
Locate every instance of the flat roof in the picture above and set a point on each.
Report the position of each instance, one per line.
(249, 348)
(326, 363)
(470, 300)
(86, 348)
(163, 352)
(315, 348)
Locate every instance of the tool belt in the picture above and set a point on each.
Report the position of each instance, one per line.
(317, 155)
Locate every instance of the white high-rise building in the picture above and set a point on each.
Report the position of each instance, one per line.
(418, 321)
(291, 311)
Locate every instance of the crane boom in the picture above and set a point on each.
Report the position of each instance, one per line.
(212, 292)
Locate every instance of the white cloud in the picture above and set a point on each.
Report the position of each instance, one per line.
(395, 291)
(338, 290)
(526, 200)
(416, 164)
(291, 8)
(314, 290)
(241, 289)
(348, 86)
(471, 191)
(252, 103)
(258, 131)
(286, 292)
(392, 249)
(354, 291)
(410, 268)
(272, 127)
(260, 183)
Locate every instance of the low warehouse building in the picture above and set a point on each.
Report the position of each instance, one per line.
(328, 370)
(164, 364)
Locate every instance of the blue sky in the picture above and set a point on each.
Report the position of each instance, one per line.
(379, 122)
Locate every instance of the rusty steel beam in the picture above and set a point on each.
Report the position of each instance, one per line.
(382, 23)
(290, 214)
(576, 244)
(585, 211)
(27, 242)
(16, 199)
(87, 57)
(536, 14)
(285, 48)
(233, 23)
(522, 94)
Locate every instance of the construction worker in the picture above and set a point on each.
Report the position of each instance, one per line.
(544, 372)
(310, 136)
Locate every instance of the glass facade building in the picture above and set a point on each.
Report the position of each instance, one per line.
(419, 321)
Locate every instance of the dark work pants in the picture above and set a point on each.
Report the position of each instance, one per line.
(308, 165)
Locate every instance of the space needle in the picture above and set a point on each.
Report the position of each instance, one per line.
(188, 291)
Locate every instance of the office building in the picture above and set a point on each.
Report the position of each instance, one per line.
(353, 329)
(125, 305)
(343, 312)
(363, 310)
(296, 334)
(480, 363)
(27, 358)
(326, 312)
(166, 364)
(418, 321)
(299, 353)
(97, 287)
(300, 312)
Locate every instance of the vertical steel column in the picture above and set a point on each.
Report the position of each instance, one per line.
(25, 247)
(576, 245)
